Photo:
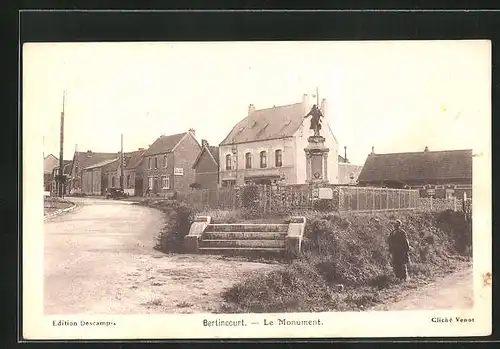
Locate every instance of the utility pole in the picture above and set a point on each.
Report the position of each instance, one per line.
(61, 153)
(121, 162)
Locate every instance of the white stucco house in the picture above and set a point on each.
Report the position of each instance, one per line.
(268, 146)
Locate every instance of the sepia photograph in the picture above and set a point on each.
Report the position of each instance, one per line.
(256, 189)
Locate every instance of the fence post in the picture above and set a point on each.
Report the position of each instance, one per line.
(455, 203)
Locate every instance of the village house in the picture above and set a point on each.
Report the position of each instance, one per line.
(268, 145)
(168, 164)
(132, 173)
(84, 160)
(95, 177)
(206, 167)
(446, 173)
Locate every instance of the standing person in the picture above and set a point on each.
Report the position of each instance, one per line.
(399, 247)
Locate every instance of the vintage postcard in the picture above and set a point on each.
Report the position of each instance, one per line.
(198, 190)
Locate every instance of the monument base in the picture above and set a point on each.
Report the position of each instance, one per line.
(316, 160)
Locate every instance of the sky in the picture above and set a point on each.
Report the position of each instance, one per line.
(396, 96)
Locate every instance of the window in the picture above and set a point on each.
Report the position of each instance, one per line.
(128, 181)
(165, 182)
(150, 163)
(228, 161)
(150, 183)
(113, 182)
(248, 160)
(278, 158)
(165, 160)
(156, 162)
(263, 159)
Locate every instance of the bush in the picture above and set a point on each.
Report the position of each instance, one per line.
(178, 220)
(250, 197)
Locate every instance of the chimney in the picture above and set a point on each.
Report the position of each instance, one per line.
(324, 104)
(305, 103)
(141, 149)
(251, 109)
(204, 143)
(345, 154)
(193, 132)
(89, 153)
(373, 149)
(426, 149)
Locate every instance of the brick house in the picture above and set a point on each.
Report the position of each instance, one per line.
(95, 177)
(132, 173)
(168, 164)
(206, 167)
(82, 160)
(268, 146)
(448, 172)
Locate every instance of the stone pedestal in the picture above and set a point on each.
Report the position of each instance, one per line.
(316, 160)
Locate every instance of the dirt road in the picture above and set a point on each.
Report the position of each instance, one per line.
(99, 259)
(454, 291)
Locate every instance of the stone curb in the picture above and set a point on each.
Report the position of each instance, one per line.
(58, 212)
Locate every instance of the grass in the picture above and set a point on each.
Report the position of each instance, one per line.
(352, 252)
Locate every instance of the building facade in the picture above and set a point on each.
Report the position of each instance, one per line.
(82, 160)
(95, 177)
(268, 146)
(132, 173)
(167, 165)
(206, 167)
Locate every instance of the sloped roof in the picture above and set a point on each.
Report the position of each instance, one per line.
(270, 123)
(86, 159)
(345, 171)
(101, 164)
(134, 158)
(164, 144)
(214, 151)
(49, 163)
(426, 166)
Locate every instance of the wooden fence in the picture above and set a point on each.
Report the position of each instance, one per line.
(300, 197)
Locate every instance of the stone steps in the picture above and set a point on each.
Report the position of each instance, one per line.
(243, 243)
(252, 227)
(248, 238)
(241, 250)
(242, 235)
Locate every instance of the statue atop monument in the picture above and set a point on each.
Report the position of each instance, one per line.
(316, 117)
